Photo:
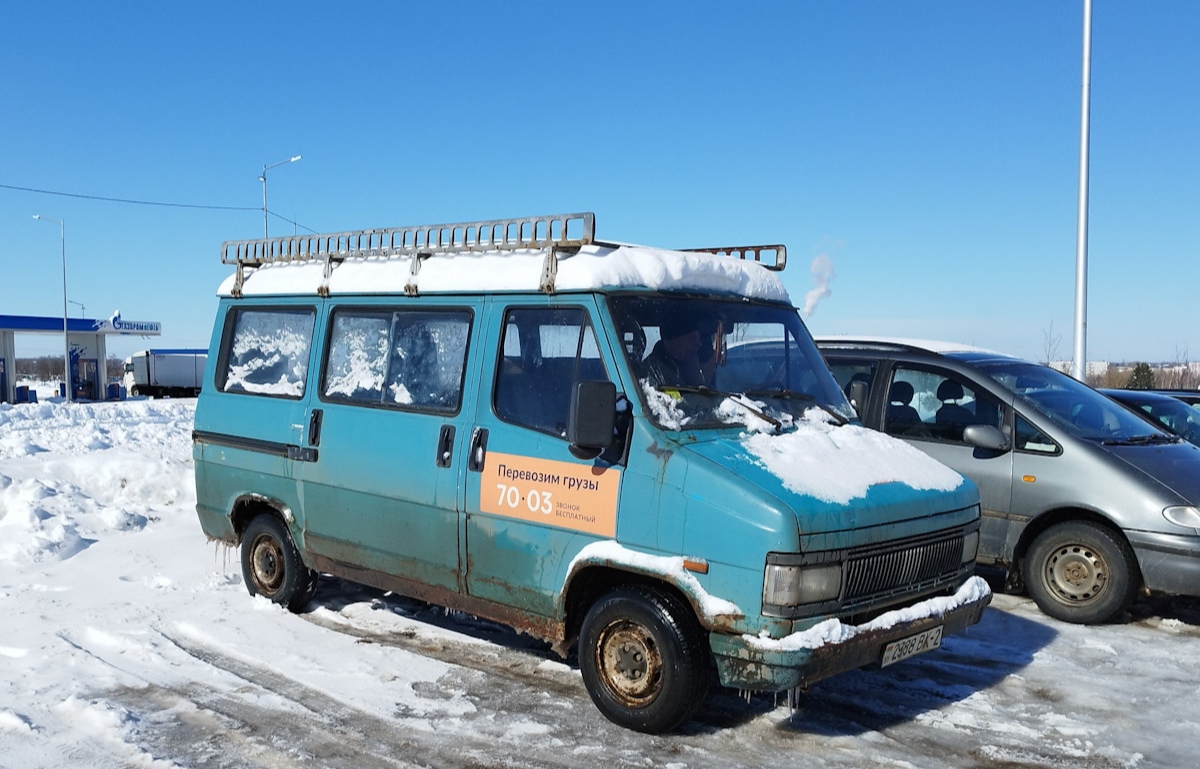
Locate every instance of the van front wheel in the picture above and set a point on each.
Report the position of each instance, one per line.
(1081, 572)
(271, 566)
(643, 658)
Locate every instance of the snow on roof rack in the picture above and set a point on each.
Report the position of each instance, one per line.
(555, 233)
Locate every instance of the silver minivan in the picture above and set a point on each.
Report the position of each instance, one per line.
(1084, 503)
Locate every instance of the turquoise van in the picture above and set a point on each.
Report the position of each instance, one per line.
(516, 420)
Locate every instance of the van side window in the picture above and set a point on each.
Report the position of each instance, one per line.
(267, 350)
(543, 353)
(405, 359)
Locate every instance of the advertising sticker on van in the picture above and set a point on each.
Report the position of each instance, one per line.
(562, 494)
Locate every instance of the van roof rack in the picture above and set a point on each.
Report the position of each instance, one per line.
(554, 233)
(745, 253)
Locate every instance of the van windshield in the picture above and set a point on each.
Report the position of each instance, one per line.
(708, 363)
(1077, 407)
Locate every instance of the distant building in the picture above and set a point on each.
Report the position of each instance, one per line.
(1095, 369)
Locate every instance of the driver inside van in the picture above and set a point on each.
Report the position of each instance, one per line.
(684, 354)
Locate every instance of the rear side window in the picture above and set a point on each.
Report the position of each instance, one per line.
(267, 351)
(940, 405)
(403, 359)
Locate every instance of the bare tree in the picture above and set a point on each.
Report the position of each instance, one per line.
(1050, 341)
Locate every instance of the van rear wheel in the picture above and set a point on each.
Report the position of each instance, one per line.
(644, 659)
(271, 565)
(1081, 572)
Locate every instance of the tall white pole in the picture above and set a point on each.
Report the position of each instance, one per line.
(62, 234)
(1079, 363)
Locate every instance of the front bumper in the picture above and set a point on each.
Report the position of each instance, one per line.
(1170, 563)
(755, 664)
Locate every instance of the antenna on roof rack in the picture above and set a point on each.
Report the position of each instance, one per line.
(556, 232)
(750, 252)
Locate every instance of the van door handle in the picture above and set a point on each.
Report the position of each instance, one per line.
(314, 428)
(478, 450)
(445, 446)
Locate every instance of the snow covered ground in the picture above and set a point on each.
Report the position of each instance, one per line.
(126, 639)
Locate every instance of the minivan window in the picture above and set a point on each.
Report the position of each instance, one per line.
(691, 354)
(1077, 407)
(267, 351)
(544, 352)
(937, 404)
(1033, 440)
(403, 359)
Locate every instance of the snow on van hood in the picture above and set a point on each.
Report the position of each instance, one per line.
(804, 459)
(836, 463)
(594, 267)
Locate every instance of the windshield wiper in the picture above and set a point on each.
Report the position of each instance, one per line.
(701, 389)
(779, 392)
(799, 396)
(1141, 440)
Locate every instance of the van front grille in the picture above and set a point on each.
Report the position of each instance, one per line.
(875, 572)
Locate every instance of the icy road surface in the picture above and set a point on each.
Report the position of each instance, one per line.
(127, 640)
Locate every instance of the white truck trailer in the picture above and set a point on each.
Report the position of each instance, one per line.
(159, 373)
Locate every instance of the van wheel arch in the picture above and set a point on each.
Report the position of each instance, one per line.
(592, 583)
(249, 507)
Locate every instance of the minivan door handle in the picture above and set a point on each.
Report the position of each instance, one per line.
(445, 446)
(314, 428)
(478, 450)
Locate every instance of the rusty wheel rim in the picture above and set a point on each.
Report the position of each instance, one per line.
(267, 565)
(1076, 574)
(629, 662)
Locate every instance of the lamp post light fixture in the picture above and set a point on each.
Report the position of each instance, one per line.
(263, 179)
(62, 233)
(82, 309)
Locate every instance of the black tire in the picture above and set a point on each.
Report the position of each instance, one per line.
(644, 659)
(271, 566)
(1081, 572)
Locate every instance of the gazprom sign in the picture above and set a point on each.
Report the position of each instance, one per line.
(118, 325)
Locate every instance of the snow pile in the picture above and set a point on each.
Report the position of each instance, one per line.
(54, 510)
(803, 459)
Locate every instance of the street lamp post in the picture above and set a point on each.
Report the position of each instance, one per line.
(62, 233)
(82, 308)
(263, 179)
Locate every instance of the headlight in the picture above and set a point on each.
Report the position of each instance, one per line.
(797, 585)
(970, 546)
(1187, 517)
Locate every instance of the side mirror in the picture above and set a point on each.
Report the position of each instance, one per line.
(858, 395)
(592, 419)
(985, 437)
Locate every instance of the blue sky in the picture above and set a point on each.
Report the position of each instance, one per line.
(929, 149)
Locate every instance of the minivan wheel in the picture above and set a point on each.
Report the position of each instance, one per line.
(1081, 572)
(644, 659)
(271, 566)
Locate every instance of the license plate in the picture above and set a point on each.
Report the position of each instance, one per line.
(914, 644)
